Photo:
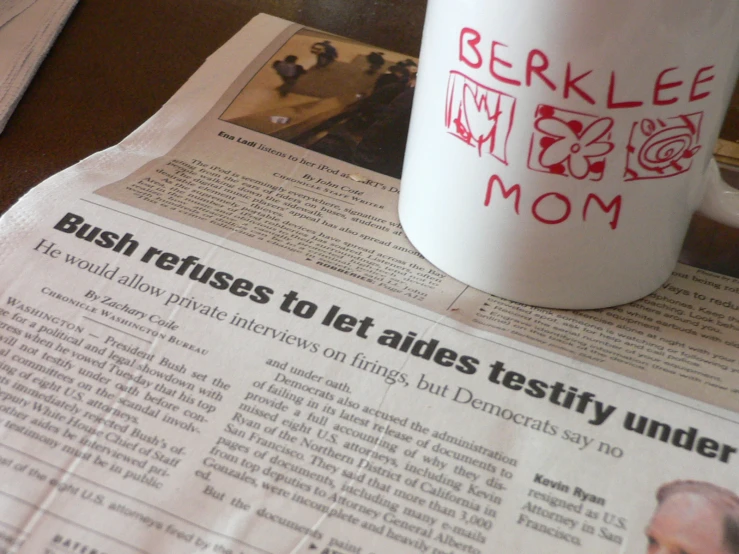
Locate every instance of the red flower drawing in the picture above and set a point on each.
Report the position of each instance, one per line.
(570, 143)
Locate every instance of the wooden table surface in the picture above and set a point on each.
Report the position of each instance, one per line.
(117, 61)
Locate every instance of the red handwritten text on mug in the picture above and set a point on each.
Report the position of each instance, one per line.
(666, 88)
(568, 143)
(553, 208)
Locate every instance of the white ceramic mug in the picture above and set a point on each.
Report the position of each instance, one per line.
(558, 148)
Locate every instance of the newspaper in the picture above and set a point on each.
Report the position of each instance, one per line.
(214, 337)
(28, 28)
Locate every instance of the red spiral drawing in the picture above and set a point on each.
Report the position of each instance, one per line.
(662, 148)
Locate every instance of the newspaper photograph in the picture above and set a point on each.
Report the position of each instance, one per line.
(214, 337)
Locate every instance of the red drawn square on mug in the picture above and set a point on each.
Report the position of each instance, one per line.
(661, 148)
(480, 116)
(571, 144)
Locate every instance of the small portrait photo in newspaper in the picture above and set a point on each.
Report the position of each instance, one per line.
(694, 517)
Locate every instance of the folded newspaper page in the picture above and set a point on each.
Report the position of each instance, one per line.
(214, 337)
(28, 28)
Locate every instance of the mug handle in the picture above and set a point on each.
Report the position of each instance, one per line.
(721, 201)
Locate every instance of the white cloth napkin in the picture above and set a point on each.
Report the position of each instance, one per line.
(28, 28)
